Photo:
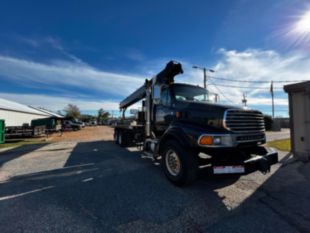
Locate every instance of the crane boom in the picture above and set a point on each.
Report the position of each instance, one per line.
(166, 76)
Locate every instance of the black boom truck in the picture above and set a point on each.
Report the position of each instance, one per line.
(178, 127)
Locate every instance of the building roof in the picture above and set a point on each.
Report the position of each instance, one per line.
(14, 106)
(296, 87)
(48, 112)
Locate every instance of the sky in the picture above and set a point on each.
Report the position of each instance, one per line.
(94, 53)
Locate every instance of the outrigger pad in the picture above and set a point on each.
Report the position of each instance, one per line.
(264, 165)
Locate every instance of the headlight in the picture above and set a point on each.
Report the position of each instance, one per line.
(217, 140)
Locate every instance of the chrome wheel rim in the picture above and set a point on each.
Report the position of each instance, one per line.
(173, 162)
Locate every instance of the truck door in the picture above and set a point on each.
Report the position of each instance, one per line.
(163, 111)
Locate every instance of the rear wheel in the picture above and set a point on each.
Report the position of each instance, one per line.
(115, 136)
(180, 164)
(122, 138)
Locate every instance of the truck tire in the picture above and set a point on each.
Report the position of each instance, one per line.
(115, 136)
(180, 164)
(122, 138)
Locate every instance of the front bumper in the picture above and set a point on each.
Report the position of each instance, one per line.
(260, 159)
(261, 162)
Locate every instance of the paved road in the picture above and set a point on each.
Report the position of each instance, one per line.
(283, 134)
(100, 187)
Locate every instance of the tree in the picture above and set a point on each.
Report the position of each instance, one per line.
(103, 116)
(87, 118)
(72, 111)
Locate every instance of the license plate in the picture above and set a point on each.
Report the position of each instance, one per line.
(228, 169)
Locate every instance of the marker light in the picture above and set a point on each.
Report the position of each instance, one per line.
(206, 140)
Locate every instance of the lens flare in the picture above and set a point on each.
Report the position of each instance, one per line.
(298, 31)
(303, 24)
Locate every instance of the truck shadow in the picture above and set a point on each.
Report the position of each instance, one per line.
(109, 188)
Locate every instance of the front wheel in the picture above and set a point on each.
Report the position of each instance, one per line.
(180, 164)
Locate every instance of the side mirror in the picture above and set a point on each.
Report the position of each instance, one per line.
(156, 94)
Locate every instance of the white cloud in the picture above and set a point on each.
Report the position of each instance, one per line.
(58, 103)
(62, 74)
(258, 65)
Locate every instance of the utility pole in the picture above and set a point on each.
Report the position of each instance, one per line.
(244, 100)
(217, 97)
(205, 70)
(204, 78)
(272, 98)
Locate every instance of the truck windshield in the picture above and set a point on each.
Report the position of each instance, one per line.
(190, 93)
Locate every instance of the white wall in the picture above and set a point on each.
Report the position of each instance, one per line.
(13, 118)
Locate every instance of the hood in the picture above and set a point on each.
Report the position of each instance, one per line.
(203, 114)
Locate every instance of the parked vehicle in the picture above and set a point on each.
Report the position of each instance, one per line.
(71, 125)
(25, 130)
(93, 123)
(180, 128)
(52, 124)
(81, 123)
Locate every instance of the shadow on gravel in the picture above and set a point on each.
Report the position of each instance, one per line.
(15, 153)
(281, 204)
(104, 188)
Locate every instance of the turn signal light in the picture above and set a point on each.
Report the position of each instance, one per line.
(206, 140)
(178, 114)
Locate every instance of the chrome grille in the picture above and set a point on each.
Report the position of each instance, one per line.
(244, 121)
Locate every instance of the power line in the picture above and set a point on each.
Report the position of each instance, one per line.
(255, 81)
(221, 93)
(233, 86)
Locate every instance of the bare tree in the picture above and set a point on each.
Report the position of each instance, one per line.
(72, 111)
(102, 115)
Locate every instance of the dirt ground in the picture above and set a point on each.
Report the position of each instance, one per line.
(95, 133)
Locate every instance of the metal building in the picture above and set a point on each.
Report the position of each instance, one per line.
(299, 107)
(16, 114)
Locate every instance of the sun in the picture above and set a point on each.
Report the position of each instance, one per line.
(298, 31)
(302, 26)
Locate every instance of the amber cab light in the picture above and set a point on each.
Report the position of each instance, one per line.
(206, 140)
(178, 114)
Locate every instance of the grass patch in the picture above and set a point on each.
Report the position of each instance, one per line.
(14, 143)
(284, 144)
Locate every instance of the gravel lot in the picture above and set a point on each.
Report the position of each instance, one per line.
(86, 183)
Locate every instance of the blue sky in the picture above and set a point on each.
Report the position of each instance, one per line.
(94, 53)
